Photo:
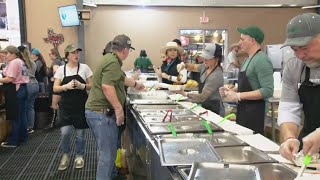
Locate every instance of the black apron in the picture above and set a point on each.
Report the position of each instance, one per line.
(72, 104)
(250, 113)
(171, 70)
(212, 105)
(10, 95)
(309, 94)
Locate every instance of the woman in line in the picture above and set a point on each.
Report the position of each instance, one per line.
(32, 87)
(14, 82)
(168, 71)
(72, 80)
(211, 78)
(41, 72)
(54, 98)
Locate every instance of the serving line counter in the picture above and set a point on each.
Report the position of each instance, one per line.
(155, 153)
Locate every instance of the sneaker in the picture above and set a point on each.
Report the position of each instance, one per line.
(8, 145)
(30, 131)
(64, 163)
(79, 162)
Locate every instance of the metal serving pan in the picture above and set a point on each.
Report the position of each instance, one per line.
(148, 107)
(183, 127)
(217, 139)
(264, 171)
(275, 171)
(181, 151)
(159, 119)
(242, 155)
(204, 171)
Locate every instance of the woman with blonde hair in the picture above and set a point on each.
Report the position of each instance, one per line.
(32, 87)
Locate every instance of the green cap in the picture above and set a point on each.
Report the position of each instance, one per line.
(253, 31)
(71, 48)
(301, 29)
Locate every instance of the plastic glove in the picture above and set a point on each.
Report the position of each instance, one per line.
(119, 116)
(311, 143)
(230, 96)
(165, 76)
(140, 87)
(181, 66)
(289, 148)
(78, 84)
(68, 86)
(157, 70)
(223, 90)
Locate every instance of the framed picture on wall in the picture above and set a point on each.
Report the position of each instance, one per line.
(3, 15)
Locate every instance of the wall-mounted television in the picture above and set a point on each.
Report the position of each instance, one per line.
(69, 15)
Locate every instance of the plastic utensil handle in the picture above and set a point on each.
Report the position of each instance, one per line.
(179, 98)
(173, 131)
(226, 117)
(151, 88)
(194, 106)
(307, 160)
(205, 123)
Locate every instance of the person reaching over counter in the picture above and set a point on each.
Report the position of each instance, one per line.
(211, 78)
(301, 88)
(104, 108)
(168, 71)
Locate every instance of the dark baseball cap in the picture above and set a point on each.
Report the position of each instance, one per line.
(122, 41)
(253, 31)
(301, 29)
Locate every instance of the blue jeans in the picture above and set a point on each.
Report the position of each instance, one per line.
(19, 132)
(33, 90)
(66, 132)
(105, 132)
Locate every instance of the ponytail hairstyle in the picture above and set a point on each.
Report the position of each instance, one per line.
(26, 56)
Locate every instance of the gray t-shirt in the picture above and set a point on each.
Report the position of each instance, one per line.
(294, 74)
(213, 82)
(32, 72)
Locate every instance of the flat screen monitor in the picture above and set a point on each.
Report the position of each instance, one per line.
(69, 15)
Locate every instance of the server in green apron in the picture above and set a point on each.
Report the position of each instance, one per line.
(72, 80)
(255, 81)
(301, 87)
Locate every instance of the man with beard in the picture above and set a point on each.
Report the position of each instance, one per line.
(301, 87)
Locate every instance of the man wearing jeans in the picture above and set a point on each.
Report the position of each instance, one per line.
(104, 107)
